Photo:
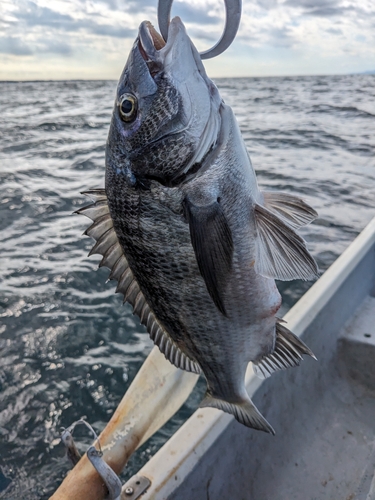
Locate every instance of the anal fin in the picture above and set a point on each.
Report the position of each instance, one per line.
(245, 412)
(288, 352)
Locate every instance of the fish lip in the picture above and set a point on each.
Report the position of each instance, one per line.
(152, 45)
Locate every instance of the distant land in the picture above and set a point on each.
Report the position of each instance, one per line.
(371, 72)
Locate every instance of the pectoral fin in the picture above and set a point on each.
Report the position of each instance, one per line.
(281, 253)
(292, 210)
(211, 238)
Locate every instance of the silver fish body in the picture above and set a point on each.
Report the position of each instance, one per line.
(184, 228)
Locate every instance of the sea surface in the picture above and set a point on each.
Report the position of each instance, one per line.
(68, 348)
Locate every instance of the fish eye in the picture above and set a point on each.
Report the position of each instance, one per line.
(128, 107)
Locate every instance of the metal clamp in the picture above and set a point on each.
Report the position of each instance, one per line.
(232, 23)
(95, 456)
(135, 487)
(108, 475)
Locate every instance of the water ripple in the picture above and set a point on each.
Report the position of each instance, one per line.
(68, 346)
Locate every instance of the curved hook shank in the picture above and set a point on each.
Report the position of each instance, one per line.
(164, 16)
(232, 22)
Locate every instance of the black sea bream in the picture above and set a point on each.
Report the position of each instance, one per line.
(193, 242)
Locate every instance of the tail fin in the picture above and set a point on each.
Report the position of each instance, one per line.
(244, 412)
(288, 352)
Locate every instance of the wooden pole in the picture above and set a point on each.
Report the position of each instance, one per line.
(157, 392)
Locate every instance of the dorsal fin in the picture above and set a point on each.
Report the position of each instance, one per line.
(107, 245)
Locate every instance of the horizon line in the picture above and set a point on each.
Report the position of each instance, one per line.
(368, 73)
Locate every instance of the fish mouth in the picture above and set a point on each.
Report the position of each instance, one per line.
(153, 48)
(150, 41)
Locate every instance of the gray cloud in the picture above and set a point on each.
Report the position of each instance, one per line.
(327, 11)
(105, 29)
(17, 47)
(33, 16)
(201, 33)
(313, 4)
(321, 8)
(189, 13)
(49, 31)
(280, 37)
(334, 31)
(192, 14)
(267, 4)
(14, 46)
(133, 6)
(55, 47)
(30, 15)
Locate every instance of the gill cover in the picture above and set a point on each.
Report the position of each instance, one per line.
(176, 122)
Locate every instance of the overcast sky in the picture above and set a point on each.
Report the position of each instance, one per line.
(63, 39)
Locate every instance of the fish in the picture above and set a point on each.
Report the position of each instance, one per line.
(194, 244)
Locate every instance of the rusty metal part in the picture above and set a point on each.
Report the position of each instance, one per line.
(71, 450)
(135, 487)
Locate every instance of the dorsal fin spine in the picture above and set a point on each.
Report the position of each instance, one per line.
(144, 313)
(118, 268)
(125, 280)
(138, 304)
(94, 211)
(111, 256)
(107, 244)
(99, 226)
(131, 292)
(108, 239)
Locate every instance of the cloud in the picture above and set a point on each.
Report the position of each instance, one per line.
(90, 33)
(128, 6)
(313, 4)
(323, 8)
(196, 14)
(34, 16)
(55, 47)
(105, 29)
(14, 46)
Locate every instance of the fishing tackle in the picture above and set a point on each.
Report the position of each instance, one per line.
(232, 22)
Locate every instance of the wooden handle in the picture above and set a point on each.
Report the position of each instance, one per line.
(157, 392)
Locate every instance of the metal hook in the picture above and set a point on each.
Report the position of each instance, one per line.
(108, 475)
(232, 22)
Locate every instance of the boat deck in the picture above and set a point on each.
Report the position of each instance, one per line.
(326, 447)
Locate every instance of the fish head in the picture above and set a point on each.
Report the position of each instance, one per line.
(165, 118)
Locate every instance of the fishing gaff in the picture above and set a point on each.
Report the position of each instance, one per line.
(157, 392)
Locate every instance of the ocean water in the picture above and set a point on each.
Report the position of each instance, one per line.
(68, 348)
